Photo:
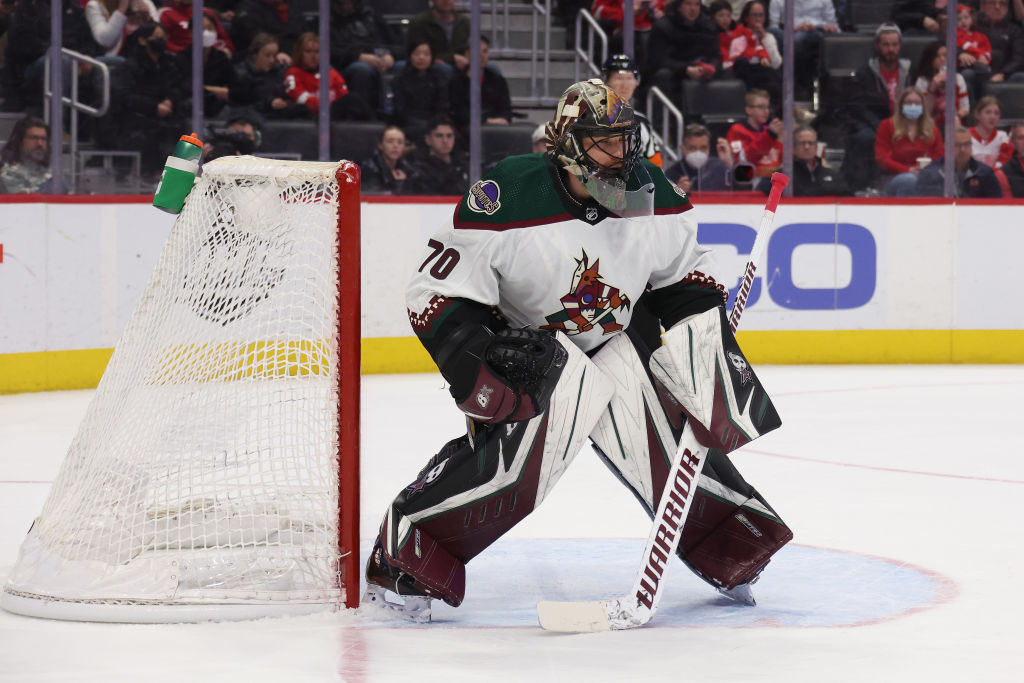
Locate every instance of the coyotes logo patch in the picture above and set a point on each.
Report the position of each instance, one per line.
(589, 302)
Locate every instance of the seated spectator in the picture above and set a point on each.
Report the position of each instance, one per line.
(176, 18)
(757, 140)
(754, 15)
(302, 84)
(620, 73)
(812, 177)
(1007, 40)
(698, 171)
(990, 145)
(931, 80)
(495, 100)
(260, 82)
(268, 16)
(973, 178)
(28, 39)
(111, 20)
(25, 159)
(153, 112)
(241, 136)
(974, 49)
(420, 92)
(812, 20)
(920, 17)
(362, 48)
(743, 54)
(611, 13)
(387, 171)
(219, 78)
(539, 145)
(439, 168)
(1014, 168)
(683, 46)
(906, 142)
(871, 99)
(447, 32)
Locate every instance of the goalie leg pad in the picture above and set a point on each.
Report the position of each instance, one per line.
(731, 533)
(483, 483)
(703, 368)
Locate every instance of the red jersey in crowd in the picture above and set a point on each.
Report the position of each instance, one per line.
(738, 43)
(974, 43)
(994, 150)
(611, 10)
(756, 146)
(304, 87)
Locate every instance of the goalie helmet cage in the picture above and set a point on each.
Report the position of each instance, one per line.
(215, 474)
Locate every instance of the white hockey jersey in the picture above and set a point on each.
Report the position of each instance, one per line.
(520, 243)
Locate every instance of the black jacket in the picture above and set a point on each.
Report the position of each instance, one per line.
(1014, 172)
(255, 16)
(820, 182)
(217, 71)
(257, 89)
(977, 181)
(1007, 39)
(909, 15)
(495, 100)
(867, 101)
(150, 83)
(377, 177)
(423, 28)
(676, 44)
(359, 31)
(419, 97)
(434, 177)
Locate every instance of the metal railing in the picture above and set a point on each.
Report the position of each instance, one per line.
(74, 103)
(585, 48)
(670, 115)
(538, 11)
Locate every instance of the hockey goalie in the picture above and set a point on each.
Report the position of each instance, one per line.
(526, 301)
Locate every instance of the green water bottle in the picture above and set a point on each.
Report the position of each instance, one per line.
(179, 174)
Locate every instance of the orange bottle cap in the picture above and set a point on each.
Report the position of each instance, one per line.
(193, 139)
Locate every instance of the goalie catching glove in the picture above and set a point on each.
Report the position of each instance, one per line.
(702, 367)
(501, 377)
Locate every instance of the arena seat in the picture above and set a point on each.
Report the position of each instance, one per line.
(499, 142)
(354, 140)
(291, 136)
(1011, 100)
(718, 104)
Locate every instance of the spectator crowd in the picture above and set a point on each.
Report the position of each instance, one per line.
(879, 131)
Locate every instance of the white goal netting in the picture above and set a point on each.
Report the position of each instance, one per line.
(203, 481)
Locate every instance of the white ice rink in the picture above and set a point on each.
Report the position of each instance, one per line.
(903, 486)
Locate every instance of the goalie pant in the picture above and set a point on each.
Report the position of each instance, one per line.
(483, 483)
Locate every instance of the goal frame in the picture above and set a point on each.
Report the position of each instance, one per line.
(345, 592)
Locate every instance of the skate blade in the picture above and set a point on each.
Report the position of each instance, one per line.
(413, 608)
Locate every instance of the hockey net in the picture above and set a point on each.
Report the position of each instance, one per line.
(215, 474)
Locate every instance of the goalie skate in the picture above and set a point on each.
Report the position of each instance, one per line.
(741, 594)
(414, 608)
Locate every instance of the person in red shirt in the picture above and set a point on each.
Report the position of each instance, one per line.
(743, 53)
(974, 46)
(905, 143)
(302, 83)
(756, 140)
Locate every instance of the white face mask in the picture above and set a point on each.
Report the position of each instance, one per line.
(913, 111)
(209, 38)
(697, 159)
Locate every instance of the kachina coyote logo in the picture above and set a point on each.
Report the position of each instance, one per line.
(589, 302)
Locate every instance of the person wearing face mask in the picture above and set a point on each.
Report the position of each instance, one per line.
(219, 77)
(152, 113)
(903, 143)
(698, 171)
(176, 20)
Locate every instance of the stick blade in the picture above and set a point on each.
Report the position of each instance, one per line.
(573, 617)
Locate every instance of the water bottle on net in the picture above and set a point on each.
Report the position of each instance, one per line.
(179, 174)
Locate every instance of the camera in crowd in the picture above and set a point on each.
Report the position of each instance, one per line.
(240, 136)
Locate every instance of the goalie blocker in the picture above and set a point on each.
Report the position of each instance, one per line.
(633, 406)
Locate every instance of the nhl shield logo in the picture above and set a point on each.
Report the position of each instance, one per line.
(591, 214)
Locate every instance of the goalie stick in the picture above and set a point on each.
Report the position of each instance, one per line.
(638, 607)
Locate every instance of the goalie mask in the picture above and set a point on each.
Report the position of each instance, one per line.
(595, 137)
